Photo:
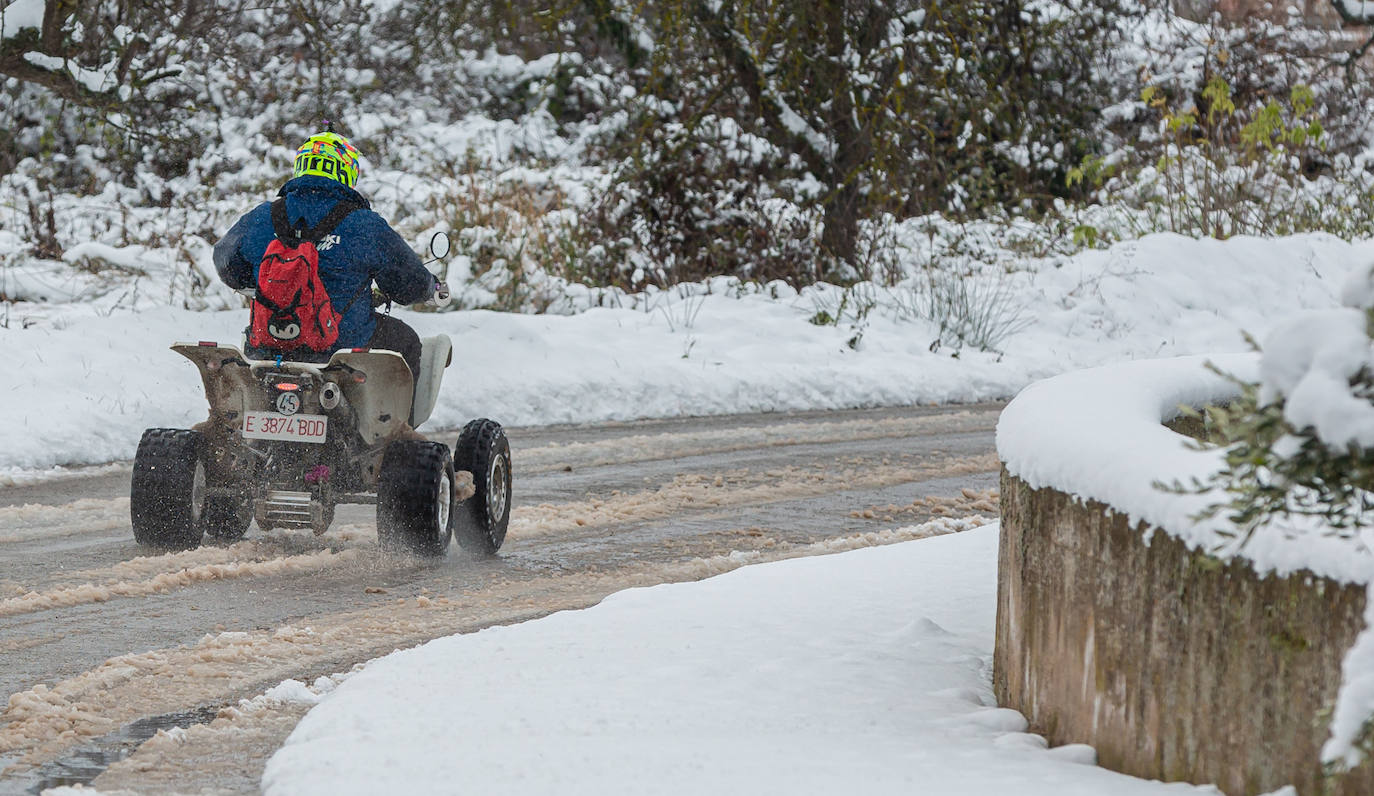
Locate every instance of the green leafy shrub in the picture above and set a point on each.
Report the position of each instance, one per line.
(1273, 470)
(1276, 467)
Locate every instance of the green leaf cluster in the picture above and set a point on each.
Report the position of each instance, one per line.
(1273, 470)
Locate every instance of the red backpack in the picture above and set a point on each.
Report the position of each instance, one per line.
(292, 309)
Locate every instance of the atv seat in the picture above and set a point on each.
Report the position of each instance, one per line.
(299, 355)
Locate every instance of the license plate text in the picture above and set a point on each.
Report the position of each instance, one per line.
(288, 428)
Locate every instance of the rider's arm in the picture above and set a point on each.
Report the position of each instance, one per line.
(235, 267)
(403, 278)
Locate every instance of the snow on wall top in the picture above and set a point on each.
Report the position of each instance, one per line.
(1098, 434)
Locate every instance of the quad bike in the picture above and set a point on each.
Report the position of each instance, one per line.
(286, 442)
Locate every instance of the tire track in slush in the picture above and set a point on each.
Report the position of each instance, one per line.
(685, 493)
(702, 492)
(164, 582)
(30, 521)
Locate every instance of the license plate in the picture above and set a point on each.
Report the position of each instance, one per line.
(287, 428)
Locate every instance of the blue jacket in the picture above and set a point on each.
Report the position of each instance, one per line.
(368, 250)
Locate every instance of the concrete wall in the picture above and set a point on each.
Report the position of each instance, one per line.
(1173, 664)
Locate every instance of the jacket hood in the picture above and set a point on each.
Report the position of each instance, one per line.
(315, 187)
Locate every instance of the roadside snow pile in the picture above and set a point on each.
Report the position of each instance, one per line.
(83, 380)
(713, 686)
(297, 691)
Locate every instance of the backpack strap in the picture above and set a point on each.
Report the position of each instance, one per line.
(293, 237)
(366, 288)
(280, 226)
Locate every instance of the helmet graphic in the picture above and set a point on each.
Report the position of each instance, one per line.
(328, 155)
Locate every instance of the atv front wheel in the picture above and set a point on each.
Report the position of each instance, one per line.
(167, 494)
(415, 496)
(482, 520)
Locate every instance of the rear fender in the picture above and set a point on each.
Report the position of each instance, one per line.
(378, 385)
(436, 353)
(231, 389)
(230, 386)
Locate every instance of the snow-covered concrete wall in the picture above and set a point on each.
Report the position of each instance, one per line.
(1174, 664)
(1126, 623)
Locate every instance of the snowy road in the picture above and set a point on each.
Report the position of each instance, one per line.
(103, 646)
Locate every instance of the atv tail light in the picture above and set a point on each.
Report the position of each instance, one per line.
(286, 385)
(208, 344)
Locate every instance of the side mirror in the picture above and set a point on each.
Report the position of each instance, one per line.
(439, 245)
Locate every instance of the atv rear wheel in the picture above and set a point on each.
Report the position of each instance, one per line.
(482, 520)
(226, 517)
(415, 496)
(167, 494)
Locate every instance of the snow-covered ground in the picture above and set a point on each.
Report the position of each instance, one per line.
(866, 671)
(83, 379)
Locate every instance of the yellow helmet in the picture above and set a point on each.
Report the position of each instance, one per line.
(328, 155)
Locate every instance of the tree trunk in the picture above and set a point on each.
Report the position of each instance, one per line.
(840, 237)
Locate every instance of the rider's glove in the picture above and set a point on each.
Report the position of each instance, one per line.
(441, 295)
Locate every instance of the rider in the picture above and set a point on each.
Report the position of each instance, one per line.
(362, 249)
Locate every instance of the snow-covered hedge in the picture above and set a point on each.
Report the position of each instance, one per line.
(565, 164)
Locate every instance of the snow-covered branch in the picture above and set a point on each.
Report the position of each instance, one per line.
(784, 125)
(69, 82)
(1357, 12)
(19, 16)
(46, 44)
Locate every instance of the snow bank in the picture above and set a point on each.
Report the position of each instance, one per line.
(83, 380)
(783, 678)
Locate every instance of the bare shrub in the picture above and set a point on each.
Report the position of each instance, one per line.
(967, 310)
